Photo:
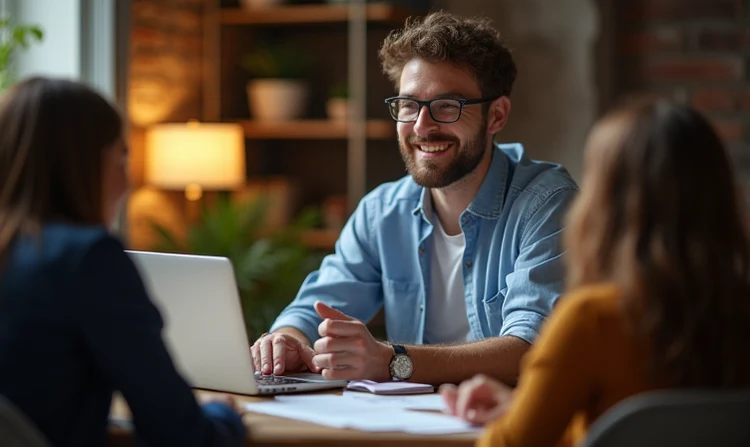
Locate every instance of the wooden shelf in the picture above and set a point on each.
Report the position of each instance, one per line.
(376, 12)
(320, 239)
(313, 129)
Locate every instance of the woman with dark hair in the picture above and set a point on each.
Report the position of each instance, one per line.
(659, 278)
(76, 323)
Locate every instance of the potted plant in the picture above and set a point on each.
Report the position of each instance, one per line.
(269, 265)
(337, 106)
(278, 90)
(12, 38)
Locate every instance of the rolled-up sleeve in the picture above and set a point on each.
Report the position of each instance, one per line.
(348, 280)
(536, 282)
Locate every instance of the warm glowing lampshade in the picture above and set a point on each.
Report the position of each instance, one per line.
(195, 156)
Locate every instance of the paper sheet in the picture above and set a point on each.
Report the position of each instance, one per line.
(427, 402)
(361, 414)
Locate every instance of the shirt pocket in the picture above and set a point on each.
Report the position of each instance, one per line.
(493, 308)
(403, 310)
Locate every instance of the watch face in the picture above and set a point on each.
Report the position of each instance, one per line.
(402, 367)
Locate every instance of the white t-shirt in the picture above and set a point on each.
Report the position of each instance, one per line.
(445, 317)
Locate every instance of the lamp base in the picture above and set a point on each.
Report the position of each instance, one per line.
(193, 194)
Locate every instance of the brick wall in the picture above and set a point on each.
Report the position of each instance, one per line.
(165, 68)
(696, 52)
(164, 84)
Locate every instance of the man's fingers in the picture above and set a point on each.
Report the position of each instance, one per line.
(326, 311)
(279, 356)
(338, 360)
(255, 353)
(306, 354)
(352, 345)
(266, 356)
(341, 374)
(340, 328)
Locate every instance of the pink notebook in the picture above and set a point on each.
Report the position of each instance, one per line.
(390, 387)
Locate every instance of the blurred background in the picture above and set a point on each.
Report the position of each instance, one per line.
(255, 126)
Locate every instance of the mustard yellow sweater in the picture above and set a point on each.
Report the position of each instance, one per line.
(582, 363)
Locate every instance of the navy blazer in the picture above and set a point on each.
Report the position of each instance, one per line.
(76, 324)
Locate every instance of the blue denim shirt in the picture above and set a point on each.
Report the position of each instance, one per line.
(512, 271)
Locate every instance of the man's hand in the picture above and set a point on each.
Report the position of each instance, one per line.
(281, 352)
(478, 400)
(347, 350)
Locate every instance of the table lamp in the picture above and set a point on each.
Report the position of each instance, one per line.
(194, 157)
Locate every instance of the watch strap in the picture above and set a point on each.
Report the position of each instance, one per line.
(398, 349)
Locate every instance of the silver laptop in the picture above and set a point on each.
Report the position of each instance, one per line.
(205, 331)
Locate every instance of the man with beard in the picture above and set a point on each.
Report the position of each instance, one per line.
(463, 254)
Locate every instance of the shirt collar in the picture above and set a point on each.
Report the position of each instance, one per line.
(488, 203)
(424, 205)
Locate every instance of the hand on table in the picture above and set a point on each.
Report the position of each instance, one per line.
(347, 350)
(226, 399)
(478, 400)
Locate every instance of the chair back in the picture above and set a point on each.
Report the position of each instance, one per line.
(16, 430)
(675, 418)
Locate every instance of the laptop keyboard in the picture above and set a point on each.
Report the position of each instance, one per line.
(277, 380)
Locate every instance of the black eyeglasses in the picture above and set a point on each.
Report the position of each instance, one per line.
(442, 110)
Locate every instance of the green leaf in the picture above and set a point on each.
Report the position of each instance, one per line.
(166, 241)
(37, 32)
(12, 38)
(276, 61)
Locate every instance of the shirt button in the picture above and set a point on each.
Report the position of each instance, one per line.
(421, 250)
(421, 308)
(468, 264)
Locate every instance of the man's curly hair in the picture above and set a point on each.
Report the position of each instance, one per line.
(465, 42)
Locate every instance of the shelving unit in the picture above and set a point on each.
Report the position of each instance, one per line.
(312, 129)
(231, 30)
(312, 14)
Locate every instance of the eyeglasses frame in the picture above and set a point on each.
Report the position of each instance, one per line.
(463, 102)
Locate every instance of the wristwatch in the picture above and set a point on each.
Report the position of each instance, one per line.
(401, 366)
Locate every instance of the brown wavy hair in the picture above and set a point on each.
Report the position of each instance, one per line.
(659, 215)
(53, 133)
(465, 42)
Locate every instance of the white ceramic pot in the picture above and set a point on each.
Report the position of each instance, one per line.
(337, 108)
(255, 4)
(277, 99)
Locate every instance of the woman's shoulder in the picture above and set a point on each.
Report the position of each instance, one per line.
(62, 246)
(76, 241)
(56, 256)
(586, 314)
(598, 299)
